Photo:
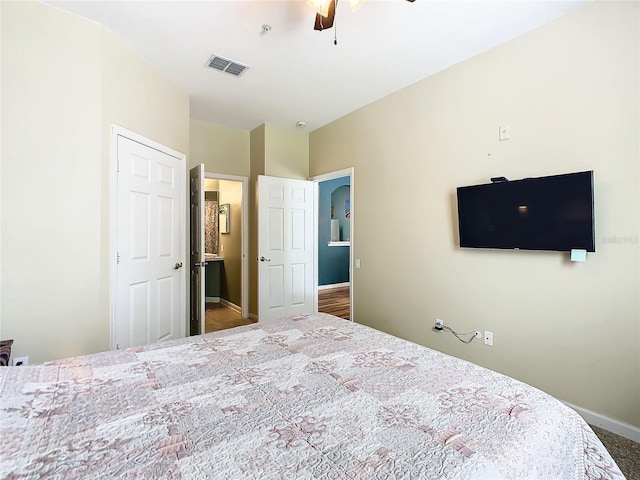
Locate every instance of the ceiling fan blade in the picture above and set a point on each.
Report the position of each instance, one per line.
(325, 22)
(322, 23)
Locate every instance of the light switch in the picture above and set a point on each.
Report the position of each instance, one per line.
(357, 263)
(505, 132)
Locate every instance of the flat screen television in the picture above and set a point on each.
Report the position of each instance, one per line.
(544, 213)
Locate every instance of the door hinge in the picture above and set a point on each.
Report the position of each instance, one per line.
(117, 346)
(117, 258)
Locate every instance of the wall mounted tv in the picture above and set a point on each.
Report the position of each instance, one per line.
(544, 213)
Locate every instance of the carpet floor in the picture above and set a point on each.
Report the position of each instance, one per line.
(625, 452)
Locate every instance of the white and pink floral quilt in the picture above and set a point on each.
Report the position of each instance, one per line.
(310, 397)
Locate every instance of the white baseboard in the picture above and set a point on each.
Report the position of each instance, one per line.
(230, 305)
(623, 429)
(333, 285)
(212, 299)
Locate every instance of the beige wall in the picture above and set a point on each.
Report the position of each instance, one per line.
(570, 92)
(221, 149)
(286, 153)
(211, 184)
(62, 88)
(257, 155)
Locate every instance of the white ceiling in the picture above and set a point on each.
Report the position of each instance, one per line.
(297, 73)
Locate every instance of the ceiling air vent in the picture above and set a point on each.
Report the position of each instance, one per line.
(225, 65)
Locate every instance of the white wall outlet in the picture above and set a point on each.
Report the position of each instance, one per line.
(20, 361)
(505, 132)
(357, 263)
(488, 338)
(478, 334)
(439, 324)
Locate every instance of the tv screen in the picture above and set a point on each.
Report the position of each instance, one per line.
(544, 213)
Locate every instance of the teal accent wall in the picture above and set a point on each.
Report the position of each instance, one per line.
(333, 262)
(342, 210)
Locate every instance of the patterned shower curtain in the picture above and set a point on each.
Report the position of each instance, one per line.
(211, 226)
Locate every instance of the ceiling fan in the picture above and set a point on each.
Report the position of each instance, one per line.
(326, 11)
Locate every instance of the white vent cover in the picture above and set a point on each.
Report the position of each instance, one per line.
(225, 65)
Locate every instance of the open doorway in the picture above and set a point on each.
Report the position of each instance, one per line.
(334, 236)
(223, 237)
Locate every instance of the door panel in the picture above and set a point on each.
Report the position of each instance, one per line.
(139, 225)
(276, 230)
(298, 237)
(138, 312)
(276, 283)
(166, 288)
(197, 258)
(298, 293)
(150, 232)
(285, 217)
(165, 216)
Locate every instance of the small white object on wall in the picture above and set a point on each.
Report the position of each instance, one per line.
(505, 132)
(578, 255)
(335, 230)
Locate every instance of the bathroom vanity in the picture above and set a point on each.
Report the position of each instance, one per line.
(213, 277)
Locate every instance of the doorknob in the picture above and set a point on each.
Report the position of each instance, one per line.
(178, 266)
(263, 259)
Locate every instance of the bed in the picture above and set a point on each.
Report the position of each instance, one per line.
(305, 397)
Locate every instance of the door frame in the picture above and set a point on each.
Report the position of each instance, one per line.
(116, 131)
(316, 179)
(244, 269)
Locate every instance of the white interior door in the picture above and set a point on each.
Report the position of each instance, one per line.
(285, 247)
(149, 279)
(197, 259)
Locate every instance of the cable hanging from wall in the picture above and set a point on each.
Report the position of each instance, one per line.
(440, 326)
